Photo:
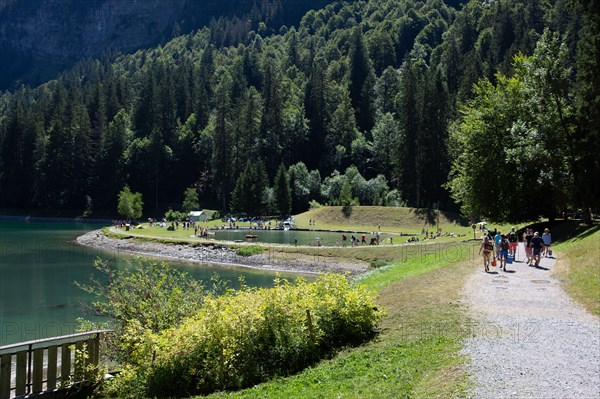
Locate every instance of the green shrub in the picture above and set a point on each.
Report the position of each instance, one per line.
(245, 337)
(377, 263)
(314, 204)
(144, 296)
(249, 250)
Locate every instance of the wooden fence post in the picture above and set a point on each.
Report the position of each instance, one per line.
(65, 364)
(38, 370)
(21, 379)
(52, 363)
(5, 370)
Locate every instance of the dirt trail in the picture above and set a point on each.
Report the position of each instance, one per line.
(530, 340)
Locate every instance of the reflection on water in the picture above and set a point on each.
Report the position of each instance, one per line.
(39, 262)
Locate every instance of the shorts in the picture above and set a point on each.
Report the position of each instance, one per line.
(504, 253)
(536, 251)
(527, 250)
(513, 246)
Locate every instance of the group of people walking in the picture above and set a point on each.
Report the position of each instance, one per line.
(503, 247)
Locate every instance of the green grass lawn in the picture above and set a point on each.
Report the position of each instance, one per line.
(578, 264)
(389, 219)
(417, 352)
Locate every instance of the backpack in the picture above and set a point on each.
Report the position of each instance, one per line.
(512, 237)
(504, 243)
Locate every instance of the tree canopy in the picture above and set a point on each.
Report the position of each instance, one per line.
(129, 204)
(396, 89)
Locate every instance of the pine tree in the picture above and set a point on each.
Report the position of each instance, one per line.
(111, 165)
(271, 129)
(283, 195)
(17, 157)
(316, 112)
(341, 132)
(147, 111)
(221, 133)
(362, 80)
(409, 118)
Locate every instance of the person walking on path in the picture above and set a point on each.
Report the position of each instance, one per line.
(547, 239)
(487, 247)
(497, 239)
(529, 340)
(537, 245)
(527, 244)
(504, 248)
(513, 239)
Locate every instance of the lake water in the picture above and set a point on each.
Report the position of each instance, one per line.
(39, 262)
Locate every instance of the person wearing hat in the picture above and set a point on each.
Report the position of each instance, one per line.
(537, 244)
(547, 239)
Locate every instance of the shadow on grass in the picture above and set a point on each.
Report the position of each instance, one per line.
(564, 230)
(429, 216)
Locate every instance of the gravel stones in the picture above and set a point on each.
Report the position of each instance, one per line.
(220, 254)
(535, 342)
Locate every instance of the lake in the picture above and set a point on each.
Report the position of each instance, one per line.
(39, 263)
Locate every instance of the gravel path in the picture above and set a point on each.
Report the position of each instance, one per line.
(530, 340)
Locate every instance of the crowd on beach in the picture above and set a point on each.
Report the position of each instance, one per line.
(496, 246)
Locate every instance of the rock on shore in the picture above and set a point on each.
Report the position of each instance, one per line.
(220, 254)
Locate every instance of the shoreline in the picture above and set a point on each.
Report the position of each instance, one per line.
(221, 255)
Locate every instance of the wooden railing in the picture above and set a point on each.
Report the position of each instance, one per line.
(45, 365)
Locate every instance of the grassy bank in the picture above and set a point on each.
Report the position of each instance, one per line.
(387, 219)
(578, 264)
(416, 354)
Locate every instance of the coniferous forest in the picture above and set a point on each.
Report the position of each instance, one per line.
(490, 107)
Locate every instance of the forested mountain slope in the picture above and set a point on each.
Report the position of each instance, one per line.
(38, 38)
(357, 101)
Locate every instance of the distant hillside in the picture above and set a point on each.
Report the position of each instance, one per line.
(39, 38)
(395, 219)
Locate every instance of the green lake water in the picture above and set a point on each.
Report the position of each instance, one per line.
(39, 263)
